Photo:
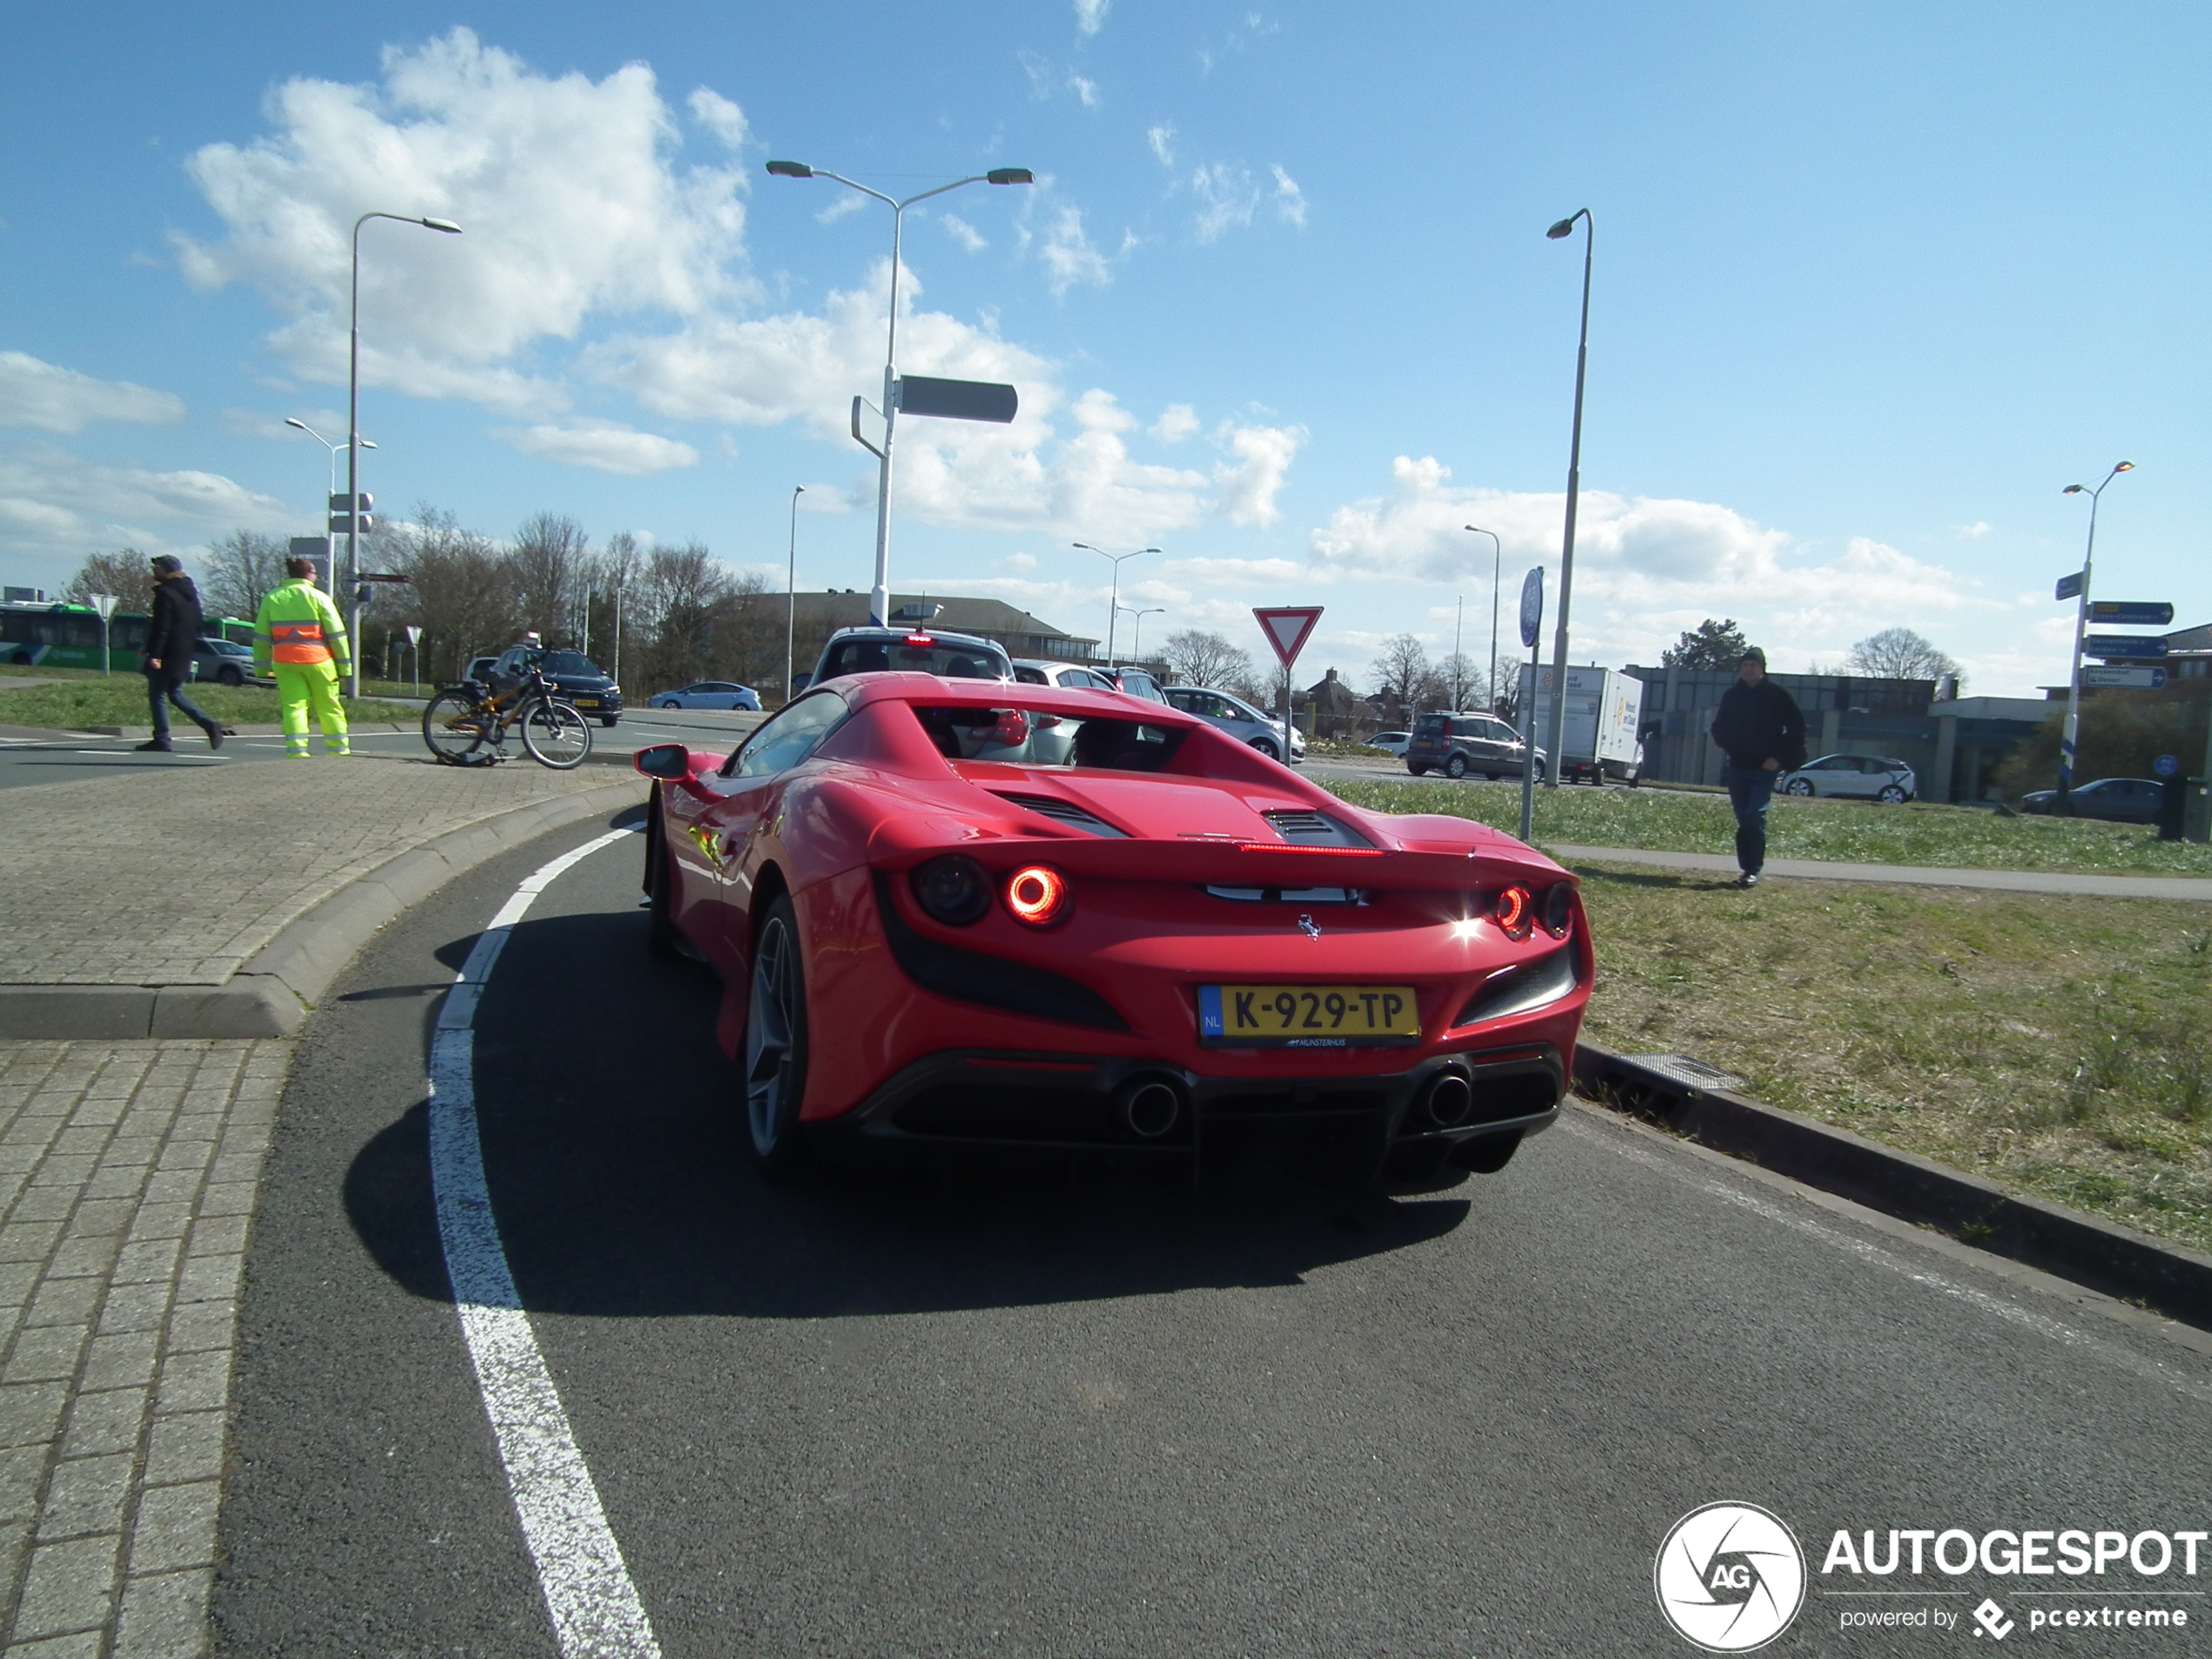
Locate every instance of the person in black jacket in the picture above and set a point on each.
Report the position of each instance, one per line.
(1762, 731)
(172, 633)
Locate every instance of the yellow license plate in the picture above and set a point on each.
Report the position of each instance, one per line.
(1308, 1016)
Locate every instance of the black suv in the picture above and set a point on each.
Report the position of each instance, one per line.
(909, 650)
(576, 676)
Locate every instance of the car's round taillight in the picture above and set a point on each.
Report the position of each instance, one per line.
(1559, 909)
(1037, 893)
(1514, 912)
(954, 889)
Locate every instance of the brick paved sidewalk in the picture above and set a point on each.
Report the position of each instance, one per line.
(127, 1179)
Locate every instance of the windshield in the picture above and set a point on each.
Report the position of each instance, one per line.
(1430, 725)
(1028, 737)
(568, 661)
(915, 654)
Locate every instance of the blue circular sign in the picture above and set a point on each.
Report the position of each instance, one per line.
(1532, 607)
(2165, 765)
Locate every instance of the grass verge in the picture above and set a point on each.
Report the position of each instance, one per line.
(1835, 831)
(2060, 1047)
(122, 701)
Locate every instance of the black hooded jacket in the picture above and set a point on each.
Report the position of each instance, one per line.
(1756, 725)
(174, 628)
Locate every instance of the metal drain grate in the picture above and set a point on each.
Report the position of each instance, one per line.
(1680, 1068)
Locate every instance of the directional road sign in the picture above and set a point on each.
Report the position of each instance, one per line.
(1532, 607)
(1287, 628)
(2132, 613)
(957, 400)
(2069, 586)
(2109, 679)
(2123, 645)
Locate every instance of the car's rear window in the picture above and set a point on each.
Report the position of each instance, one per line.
(1029, 737)
(906, 656)
(1430, 725)
(568, 662)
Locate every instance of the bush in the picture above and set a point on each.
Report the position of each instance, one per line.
(2121, 733)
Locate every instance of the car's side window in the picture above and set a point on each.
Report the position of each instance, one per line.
(788, 737)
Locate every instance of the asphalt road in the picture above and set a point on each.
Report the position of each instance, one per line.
(27, 758)
(1090, 1413)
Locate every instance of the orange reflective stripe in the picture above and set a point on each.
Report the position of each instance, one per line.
(297, 654)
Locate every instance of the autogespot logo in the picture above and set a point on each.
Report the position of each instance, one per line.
(1730, 1577)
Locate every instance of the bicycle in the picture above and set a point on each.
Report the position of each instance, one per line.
(467, 724)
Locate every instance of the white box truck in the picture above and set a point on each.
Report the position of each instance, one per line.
(1604, 713)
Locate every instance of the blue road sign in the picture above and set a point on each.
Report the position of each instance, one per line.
(2132, 613)
(957, 400)
(2070, 586)
(2123, 645)
(2165, 765)
(1532, 607)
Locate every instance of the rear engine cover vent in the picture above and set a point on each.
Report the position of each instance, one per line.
(1314, 829)
(1066, 812)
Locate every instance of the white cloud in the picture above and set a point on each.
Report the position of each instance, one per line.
(1177, 423)
(1290, 201)
(1090, 15)
(842, 205)
(1227, 196)
(56, 508)
(1086, 90)
(1247, 485)
(566, 189)
(1162, 138)
(1019, 563)
(1974, 532)
(44, 397)
(964, 232)
(718, 116)
(1068, 256)
(605, 446)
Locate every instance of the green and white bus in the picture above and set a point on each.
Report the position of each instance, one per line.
(66, 635)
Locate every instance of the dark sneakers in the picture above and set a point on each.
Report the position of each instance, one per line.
(157, 747)
(1749, 879)
(215, 736)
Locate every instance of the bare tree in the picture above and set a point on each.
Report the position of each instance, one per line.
(1899, 654)
(1502, 696)
(1401, 672)
(126, 575)
(460, 592)
(548, 566)
(241, 570)
(1462, 678)
(1195, 657)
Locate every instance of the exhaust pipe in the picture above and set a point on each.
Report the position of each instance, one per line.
(1150, 1107)
(1450, 1098)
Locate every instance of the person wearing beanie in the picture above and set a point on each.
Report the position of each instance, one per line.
(172, 634)
(1762, 731)
(299, 632)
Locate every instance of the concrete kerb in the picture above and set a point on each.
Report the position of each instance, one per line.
(2102, 1255)
(273, 993)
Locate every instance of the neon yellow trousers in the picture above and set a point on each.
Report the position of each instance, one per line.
(303, 685)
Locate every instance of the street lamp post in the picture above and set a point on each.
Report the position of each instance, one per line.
(1497, 561)
(1114, 597)
(1574, 490)
(331, 576)
(1136, 630)
(790, 605)
(354, 441)
(880, 601)
(2064, 805)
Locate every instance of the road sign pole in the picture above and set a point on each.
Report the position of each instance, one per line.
(2063, 807)
(1531, 629)
(1287, 628)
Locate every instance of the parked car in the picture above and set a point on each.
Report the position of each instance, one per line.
(224, 662)
(909, 650)
(929, 942)
(1391, 743)
(708, 694)
(578, 679)
(1237, 718)
(2117, 800)
(1859, 777)
(1136, 681)
(1458, 743)
(1073, 677)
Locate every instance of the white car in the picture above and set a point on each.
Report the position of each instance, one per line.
(1237, 718)
(1391, 743)
(1858, 777)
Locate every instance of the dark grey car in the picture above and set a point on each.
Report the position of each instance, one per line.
(1458, 743)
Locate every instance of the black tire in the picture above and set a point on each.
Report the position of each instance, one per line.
(1540, 770)
(608, 720)
(21, 660)
(776, 1048)
(1417, 770)
(1799, 786)
(452, 728)
(228, 675)
(1456, 766)
(1266, 747)
(555, 735)
(661, 938)
(1488, 1155)
(671, 704)
(1894, 795)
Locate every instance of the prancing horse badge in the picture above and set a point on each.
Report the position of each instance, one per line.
(1309, 928)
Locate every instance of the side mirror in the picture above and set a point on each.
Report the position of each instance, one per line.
(670, 762)
(800, 683)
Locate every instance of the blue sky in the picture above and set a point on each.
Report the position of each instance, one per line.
(1873, 284)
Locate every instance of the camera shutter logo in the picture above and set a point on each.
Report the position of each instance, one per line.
(1730, 1577)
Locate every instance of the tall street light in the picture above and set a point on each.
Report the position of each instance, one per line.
(2065, 803)
(1574, 490)
(1114, 598)
(1497, 562)
(880, 601)
(791, 609)
(1136, 630)
(333, 448)
(354, 441)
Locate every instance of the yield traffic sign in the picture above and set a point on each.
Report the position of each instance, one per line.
(1287, 628)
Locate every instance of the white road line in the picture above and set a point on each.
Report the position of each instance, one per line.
(1875, 1255)
(595, 1607)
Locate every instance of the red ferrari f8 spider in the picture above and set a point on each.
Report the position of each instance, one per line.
(976, 915)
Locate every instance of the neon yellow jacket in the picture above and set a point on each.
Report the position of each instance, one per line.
(298, 625)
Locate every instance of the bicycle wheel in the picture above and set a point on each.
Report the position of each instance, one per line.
(556, 734)
(453, 726)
